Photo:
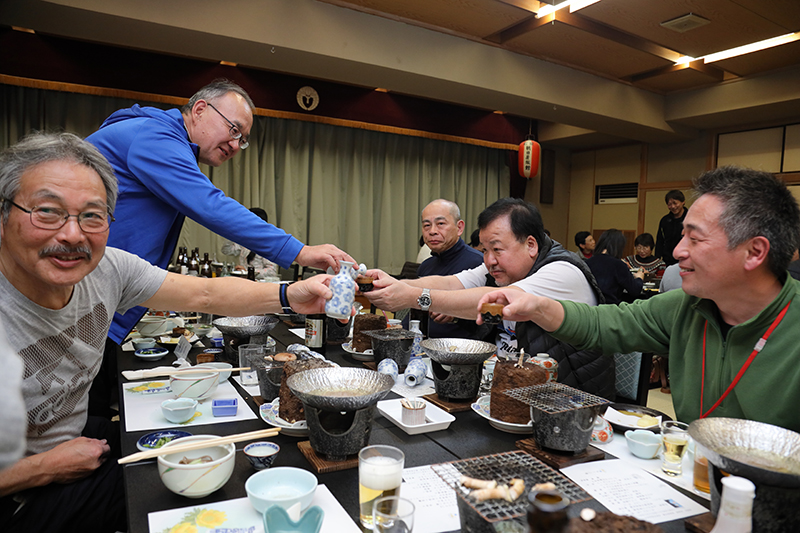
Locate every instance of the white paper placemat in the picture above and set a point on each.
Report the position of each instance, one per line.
(627, 490)
(239, 515)
(252, 390)
(143, 409)
(435, 506)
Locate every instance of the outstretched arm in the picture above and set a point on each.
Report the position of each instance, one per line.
(521, 306)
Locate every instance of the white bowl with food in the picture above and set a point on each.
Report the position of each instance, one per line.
(197, 473)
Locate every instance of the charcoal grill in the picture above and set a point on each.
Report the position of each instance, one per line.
(243, 330)
(563, 416)
(502, 467)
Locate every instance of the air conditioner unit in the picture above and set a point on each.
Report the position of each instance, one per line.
(618, 193)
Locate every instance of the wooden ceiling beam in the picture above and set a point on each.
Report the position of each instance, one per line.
(713, 72)
(520, 28)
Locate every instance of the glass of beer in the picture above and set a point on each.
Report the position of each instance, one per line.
(380, 473)
(392, 514)
(675, 442)
(700, 471)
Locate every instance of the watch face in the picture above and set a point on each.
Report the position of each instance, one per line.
(424, 301)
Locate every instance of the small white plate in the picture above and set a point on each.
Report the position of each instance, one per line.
(436, 419)
(358, 356)
(151, 354)
(269, 414)
(482, 408)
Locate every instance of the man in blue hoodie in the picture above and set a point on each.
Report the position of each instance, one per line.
(155, 157)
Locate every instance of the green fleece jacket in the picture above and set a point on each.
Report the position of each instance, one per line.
(672, 323)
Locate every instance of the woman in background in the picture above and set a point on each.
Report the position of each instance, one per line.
(612, 274)
(265, 269)
(644, 258)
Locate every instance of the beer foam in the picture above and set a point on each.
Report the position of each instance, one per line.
(380, 473)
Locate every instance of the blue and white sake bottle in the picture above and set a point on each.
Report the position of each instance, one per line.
(343, 287)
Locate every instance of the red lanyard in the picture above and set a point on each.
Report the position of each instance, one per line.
(758, 347)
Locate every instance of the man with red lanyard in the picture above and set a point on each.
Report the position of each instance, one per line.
(731, 332)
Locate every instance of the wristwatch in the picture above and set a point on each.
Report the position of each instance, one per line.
(424, 300)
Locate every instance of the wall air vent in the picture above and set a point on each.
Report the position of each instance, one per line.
(618, 193)
(684, 23)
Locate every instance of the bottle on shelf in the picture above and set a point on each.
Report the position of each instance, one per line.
(194, 263)
(205, 267)
(184, 264)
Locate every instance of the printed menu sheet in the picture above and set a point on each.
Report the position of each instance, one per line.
(435, 506)
(239, 516)
(143, 406)
(627, 490)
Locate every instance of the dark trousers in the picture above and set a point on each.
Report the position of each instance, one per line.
(105, 388)
(95, 503)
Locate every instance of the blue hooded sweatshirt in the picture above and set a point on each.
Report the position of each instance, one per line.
(159, 185)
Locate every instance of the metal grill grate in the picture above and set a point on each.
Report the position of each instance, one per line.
(555, 397)
(503, 467)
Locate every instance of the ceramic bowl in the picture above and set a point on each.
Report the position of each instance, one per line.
(151, 354)
(194, 385)
(223, 376)
(284, 486)
(261, 454)
(150, 326)
(197, 480)
(643, 443)
(143, 343)
(178, 410)
(201, 330)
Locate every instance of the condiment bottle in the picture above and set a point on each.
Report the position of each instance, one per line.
(735, 513)
(416, 350)
(315, 332)
(547, 512)
(251, 273)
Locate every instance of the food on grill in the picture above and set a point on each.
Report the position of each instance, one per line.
(511, 375)
(284, 357)
(290, 407)
(472, 483)
(508, 493)
(366, 322)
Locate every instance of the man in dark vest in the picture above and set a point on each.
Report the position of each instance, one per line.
(519, 256)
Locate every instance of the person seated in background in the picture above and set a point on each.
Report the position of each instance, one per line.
(585, 243)
(644, 258)
(475, 241)
(264, 268)
(612, 274)
(518, 256)
(60, 287)
(442, 228)
(731, 333)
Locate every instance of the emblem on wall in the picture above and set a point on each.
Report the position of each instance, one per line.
(307, 98)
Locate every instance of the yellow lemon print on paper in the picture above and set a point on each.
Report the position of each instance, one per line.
(183, 527)
(140, 388)
(210, 518)
(155, 384)
(195, 415)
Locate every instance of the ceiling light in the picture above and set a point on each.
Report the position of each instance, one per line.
(228, 63)
(684, 23)
(25, 30)
(381, 90)
(752, 47)
(546, 10)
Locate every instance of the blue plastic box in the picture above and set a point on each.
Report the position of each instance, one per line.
(226, 407)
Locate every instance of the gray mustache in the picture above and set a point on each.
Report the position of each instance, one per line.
(66, 250)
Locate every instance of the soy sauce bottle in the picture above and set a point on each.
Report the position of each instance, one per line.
(547, 512)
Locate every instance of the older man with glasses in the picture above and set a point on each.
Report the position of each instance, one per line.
(60, 287)
(155, 155)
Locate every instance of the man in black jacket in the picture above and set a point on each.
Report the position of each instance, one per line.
(670, 229)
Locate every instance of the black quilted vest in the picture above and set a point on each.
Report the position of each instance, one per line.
(586, 370)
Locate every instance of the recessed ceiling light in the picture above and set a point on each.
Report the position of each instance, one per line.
(228, 63)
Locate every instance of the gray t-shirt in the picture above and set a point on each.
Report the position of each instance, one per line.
(62, 349)
(12, 414)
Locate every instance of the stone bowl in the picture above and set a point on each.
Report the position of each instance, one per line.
(340, 389)
(197, 480)
(458, 351)
(246, 326)
(392, 343)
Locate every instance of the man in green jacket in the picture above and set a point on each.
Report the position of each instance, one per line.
(731, 332)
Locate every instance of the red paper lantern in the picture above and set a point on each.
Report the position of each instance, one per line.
(530, 157)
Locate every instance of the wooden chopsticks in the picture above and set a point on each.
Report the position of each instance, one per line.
(198, 445)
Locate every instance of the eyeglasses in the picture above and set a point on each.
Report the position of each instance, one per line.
(53, 218)
(641, 248)
(234, 131)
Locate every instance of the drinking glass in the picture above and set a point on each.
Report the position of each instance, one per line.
(675, 442)
(249, 377)
(700, 473)
(380, 473)
(392, 514)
